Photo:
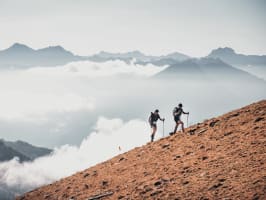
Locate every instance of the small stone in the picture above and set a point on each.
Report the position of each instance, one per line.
(215, 186)
(157, 183)
(86, 186)
(204, 157)
(147, 189)
(255, 182)
(204, 198)
(255, 197)
(213, 123)
(234, 115)
(156, 193)
(121, 159)
(177, 156)
(47, 196)
(146, 173)
(104, 183)
(258, 119)
(192, 131)
(228, 133)
(185, 182)
(165, 180)
(202, 147)
(221, 180)
(165, 145)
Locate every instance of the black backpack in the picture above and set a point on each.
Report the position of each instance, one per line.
(177, 111)
(151, 117)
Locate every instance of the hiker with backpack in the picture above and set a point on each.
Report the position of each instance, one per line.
(152, 121)
(177, 112)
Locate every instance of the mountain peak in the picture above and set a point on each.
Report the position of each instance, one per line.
(222, 51)
(53, 48)
(19, 47)
(229, 56)
(135, 53)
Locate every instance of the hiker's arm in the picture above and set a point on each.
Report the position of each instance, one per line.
(186, 113)
(162, 119)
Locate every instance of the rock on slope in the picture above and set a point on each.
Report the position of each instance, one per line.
(225, 158)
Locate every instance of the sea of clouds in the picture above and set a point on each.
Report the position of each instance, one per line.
(109, 138)
(54, 102)
(33, 93)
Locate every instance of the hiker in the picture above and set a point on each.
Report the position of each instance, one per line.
(152, 120)
(177, 112)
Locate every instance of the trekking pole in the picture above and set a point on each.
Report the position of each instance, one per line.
(187, 120)
(163, 128)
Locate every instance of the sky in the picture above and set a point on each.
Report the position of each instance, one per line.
(155, 27)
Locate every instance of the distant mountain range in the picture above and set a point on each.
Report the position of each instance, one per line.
(205, 69)
(137, 55)
(22, 150)
(20, 56)
(229, 56)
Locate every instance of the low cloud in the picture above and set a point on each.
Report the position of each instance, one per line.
(35, 93)
(19, 105)
(66, 160)
(97, 70)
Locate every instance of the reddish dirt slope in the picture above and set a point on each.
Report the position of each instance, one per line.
(225, 158)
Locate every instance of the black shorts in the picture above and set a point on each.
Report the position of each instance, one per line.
(177, 119)
(153, 125)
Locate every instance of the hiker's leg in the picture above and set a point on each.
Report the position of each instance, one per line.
(182, 126)
(176, 126)
(154, 128)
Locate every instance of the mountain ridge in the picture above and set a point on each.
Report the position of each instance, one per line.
(23, 150)
(229, 56)
(206, 68)
(22, 56)
(222, 158)
(7, 153)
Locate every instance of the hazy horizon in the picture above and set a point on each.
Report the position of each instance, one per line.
(153, 27)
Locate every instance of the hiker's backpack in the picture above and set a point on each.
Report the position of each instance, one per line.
(151, 116)
(177, 111)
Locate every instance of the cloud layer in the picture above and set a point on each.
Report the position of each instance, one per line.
(66, 160)
(91, 69)
(34, 93)
(31, 105)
